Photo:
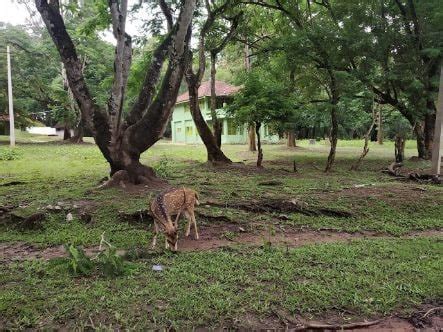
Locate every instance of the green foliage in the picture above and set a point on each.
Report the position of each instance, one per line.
(79, 263)
(163, 167)
(110, 263)
(262, 99)
(9, 154)
(107, 262)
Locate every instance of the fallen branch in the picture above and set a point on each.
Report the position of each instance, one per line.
(322, 326)
(394, 170)
(431, 311)
(300, 325)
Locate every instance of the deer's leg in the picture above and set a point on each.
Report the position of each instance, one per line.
(188, 226)
(154, 240)
(176, 219)
(195, 224)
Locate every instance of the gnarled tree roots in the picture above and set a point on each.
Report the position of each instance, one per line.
(139, 174)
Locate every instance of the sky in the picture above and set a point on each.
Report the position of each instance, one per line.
(15, 13)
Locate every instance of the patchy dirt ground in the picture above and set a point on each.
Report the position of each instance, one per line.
(213, 237)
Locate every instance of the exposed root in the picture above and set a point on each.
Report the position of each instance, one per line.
(270, 183)
(12, 183)
(24, 223)
(123, 179)
(117, 180)
(394, 169)
(282, 206)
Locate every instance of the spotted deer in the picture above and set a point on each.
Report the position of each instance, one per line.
(173, 202)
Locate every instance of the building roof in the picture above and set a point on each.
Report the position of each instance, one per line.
(221, 89)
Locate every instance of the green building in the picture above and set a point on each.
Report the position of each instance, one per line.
(183, 127)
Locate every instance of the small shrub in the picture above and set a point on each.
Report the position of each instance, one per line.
(110, 263)
(9, 154)
(163, 168)
(79, 263)
(107, 262)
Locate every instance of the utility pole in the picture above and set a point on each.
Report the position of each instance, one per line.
(11, 109)
(438, 131)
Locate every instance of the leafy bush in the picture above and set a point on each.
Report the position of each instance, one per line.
(110, 263)
(9, 154)
(163, 168)
(79, 263)
(107, 262)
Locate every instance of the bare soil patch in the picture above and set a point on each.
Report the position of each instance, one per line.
(211, 237)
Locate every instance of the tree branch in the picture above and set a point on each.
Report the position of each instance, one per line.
(167, 13)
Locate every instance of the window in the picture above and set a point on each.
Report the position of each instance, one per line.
(178, 130)
(202, 105)
(189, 130)
(232, 128)
(219, 103)
(186, 107)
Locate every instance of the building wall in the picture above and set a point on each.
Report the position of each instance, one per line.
(184, 130)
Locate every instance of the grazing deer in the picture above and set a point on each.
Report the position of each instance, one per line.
(173, 202)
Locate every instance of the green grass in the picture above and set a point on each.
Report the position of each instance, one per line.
(220, 287)
(367, 278)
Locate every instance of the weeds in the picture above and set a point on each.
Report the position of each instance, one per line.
(107, 263)
(9, 154)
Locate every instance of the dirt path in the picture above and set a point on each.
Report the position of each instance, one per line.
(210, 238)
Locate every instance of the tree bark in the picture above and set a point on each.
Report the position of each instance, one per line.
(216, 123)
(193, 80)
(375, 118)
(399, 148)
(215, 154)
(333, 138)
(122, 143)
(251, 137)
(379, 127)
(66, 132)
(79, 132)
(429, 129)
(290, 139)
(260, 151)
(420, 137)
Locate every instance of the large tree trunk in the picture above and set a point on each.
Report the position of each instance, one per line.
(399, 148)
(291, 139)
(420, 137)
(120, 142)
(79, 132)
(66, 132)
(333, 138)
(379, 127)
(217, 125)
(334, 121)
(260, 151)
(215, 154)
(251, 138)
(429, 132)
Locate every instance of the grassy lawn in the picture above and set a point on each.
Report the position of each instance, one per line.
(241, 285)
